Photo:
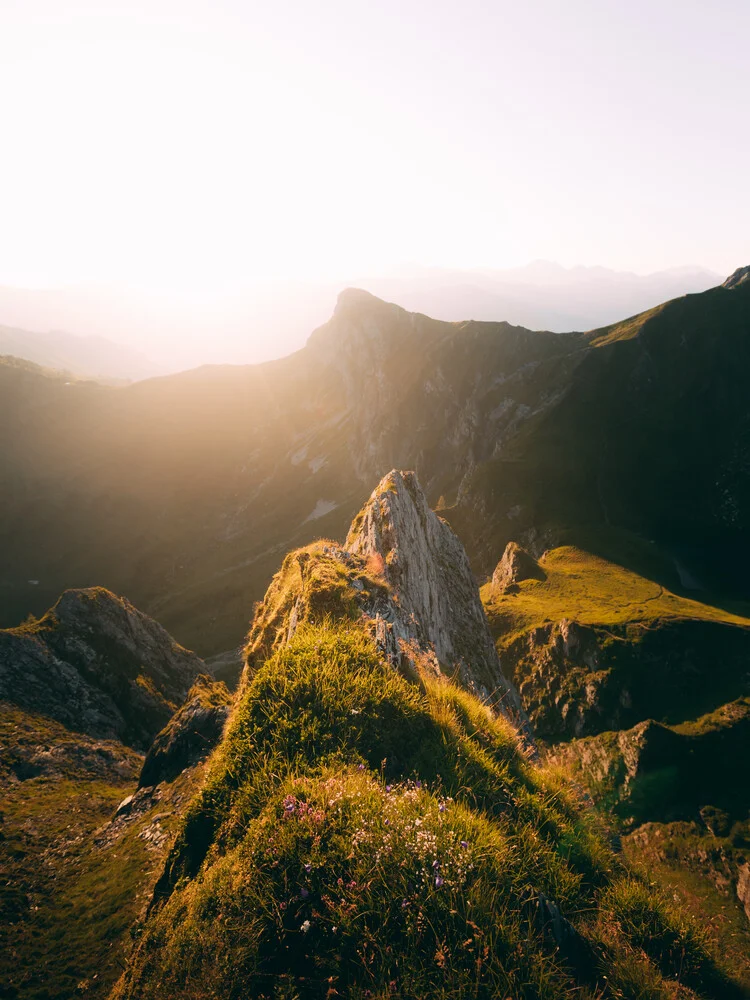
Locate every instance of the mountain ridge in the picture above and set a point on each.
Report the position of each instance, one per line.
(487, 413)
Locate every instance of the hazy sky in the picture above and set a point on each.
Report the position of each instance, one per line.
(186, 146)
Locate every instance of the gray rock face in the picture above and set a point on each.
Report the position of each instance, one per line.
(515, 566)
(190, 735)
(99, 666)
(738, 277)
(434, 597)
(558, 671)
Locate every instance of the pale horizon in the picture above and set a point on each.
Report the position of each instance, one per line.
(168, 161)
(173, 145)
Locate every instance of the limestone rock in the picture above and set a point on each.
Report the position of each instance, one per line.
(407, 575)
(99, 666)
(515, 566)
(428, 575)
(191, 733)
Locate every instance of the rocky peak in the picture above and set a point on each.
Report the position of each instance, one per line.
(431, 584)
(359, 319)
(515, 566)
(98, 665)
(739, 277)
(357, 301)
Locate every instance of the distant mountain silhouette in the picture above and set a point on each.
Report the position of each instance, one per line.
(268, 319)
(88, 357)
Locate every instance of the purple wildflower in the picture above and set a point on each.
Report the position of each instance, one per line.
(308, 867)
(436, 863)
(387, 822)
(441, 807)
(388, 788)
(438, 881)
(464, 843)
(304, 893)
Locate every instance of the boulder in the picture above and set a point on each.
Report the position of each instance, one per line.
(515, 567)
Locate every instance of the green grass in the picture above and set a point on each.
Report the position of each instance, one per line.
(68, 900)
(591, 590)
(626, 330)
(315, 580)
(723, 718)
(359, 835)
(685, 861)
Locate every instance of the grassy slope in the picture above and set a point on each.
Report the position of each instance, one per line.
(69, 897)
(360, 836)
(671, 855)
(593, 591)
(675, 856)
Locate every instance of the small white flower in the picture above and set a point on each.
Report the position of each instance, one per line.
(305, 927)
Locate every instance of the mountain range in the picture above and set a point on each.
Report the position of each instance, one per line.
(270, 318)
(480, 593)
(84, 357)
(184, 492)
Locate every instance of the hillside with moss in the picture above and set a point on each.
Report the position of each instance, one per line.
(415, 791)
(98, 665)
(85, 821)
(643, 694)
(372, 828)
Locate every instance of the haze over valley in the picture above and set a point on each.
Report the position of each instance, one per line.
(137, 334)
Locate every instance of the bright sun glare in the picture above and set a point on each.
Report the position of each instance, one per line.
(191, 147)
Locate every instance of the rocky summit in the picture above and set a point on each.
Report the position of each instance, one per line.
(404, 571)
(99, 666)
(434, 595)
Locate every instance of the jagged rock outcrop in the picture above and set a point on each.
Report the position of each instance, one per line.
(406, 573)
(99, 666)
(738, 277)
(191, 733)
(579, 680)
(653, 772)
(558, 671)
(431, 583)
(515, 566)
(630, 770)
